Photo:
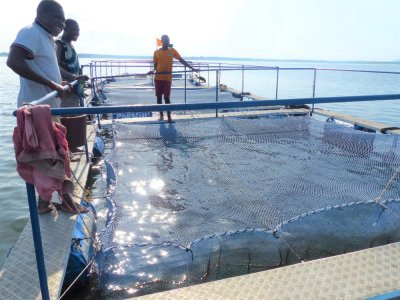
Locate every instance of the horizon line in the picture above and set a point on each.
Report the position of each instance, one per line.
(94, 55)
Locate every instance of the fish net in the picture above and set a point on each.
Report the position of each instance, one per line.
(205, 199)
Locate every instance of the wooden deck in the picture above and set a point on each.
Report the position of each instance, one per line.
(376, 126)
(239, 94)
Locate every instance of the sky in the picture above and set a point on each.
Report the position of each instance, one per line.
(362, 30)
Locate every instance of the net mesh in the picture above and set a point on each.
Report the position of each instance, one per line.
(205, 199)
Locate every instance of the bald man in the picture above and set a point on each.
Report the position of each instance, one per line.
(33, 56)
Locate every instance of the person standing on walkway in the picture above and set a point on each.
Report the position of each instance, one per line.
(163, 61)
(33, 57)
(70, 71)
(69, 63)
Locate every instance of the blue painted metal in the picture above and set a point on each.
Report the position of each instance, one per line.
(208, 75)
(185, 83)
(313, 90)
(99, 147)
(98, 121)
(81, 248)
(216, 105)
(391, 295)
(82, 104)
(277, 83)
(86, 151)
(37, 241)
(216, 91)
(242, 81)
(228, 67)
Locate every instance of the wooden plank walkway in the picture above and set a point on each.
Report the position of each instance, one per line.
(19, 276)
(376, 126)
(223, 87)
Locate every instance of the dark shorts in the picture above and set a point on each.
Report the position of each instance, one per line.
(163, 87)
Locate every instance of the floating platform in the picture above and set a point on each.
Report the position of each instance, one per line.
(353, 275)
(357, 275)
(19, 276)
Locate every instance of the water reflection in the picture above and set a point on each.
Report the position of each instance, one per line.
(153, 206)
(156, 184)
(168, 134)
(124, 237)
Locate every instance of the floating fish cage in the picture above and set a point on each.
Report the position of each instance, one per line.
(230, 190)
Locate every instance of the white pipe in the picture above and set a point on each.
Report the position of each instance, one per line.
(53, 94)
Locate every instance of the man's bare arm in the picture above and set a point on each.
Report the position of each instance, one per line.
(153, 71)
(16, 61)
(184, 62)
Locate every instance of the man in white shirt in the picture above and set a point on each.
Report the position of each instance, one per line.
(33, 56)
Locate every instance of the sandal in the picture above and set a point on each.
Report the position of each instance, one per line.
(45, 207)
(69, 205)
(73, 157)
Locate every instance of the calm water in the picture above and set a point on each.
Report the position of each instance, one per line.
(292, 84)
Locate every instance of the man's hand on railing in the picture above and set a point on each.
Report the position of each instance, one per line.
(150, 73)
(81, 77)
(67, 88)
(59, 88)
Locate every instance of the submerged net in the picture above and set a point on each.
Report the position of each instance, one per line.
(200, 200)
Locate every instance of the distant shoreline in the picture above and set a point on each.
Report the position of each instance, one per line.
(90, 55)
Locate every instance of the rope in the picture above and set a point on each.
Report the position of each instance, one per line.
(92, 237)
(295, 253)
(77, 181)
(79, 214)
(80, 274)
(379, 198)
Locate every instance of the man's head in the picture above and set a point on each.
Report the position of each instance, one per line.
(165, 41)
(71, 30)
(51, 15)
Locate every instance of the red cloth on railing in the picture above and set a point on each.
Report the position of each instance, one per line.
(41, 150)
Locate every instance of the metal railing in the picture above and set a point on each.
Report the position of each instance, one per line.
(108, 69)
(176, 107)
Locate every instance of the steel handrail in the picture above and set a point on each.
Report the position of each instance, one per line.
(217, 105)
(53, 94)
